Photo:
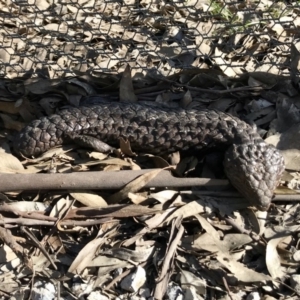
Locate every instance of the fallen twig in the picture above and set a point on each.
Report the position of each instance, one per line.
(36, 222)
(112, 180)
(97, 180)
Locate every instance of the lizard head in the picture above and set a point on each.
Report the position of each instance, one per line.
(255, 171)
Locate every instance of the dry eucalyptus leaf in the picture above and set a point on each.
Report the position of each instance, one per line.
(85, 256)
(186, 164)
(274, 231)
(10, 123)
(164, 196)
(188, 279)
(288, 112)
(221, 245)
(125, 147)
(221, 104)
(290, 139)
(248, 216)
(8, 162)
(126, 88)
(86, 88)
(262, 80)
(6, 254)
(115, 161)
(108, 263)
(273, 259)
(9, 107)
(185, 211)
(273, 139)
(10, 285)
(205, 80)
(161, 163)
(186, 100)
(133, 164)
(113, 211)
(89, 198)
(112, 168)
(200, 242)
(289, 145)
(239, 270)
(264, 116)
(98, 155)
(133, 256)
(258, 221)
(236, 240)
(151, 223)
(158, 219)
(137, 198)
(60, 208)
(134, 186)
(56, 151)
(164, 277)
(291, 159)
(41, 86)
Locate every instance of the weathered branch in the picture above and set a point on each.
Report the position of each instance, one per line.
(112, 180)
(97, 180)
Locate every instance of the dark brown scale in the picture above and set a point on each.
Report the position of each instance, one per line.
(251, 165)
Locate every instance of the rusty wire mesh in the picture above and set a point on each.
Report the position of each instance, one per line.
(57, 38)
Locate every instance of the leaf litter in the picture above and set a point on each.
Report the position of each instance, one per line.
(187, 241)
(158, 232)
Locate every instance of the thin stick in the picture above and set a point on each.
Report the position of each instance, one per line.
(97, 180)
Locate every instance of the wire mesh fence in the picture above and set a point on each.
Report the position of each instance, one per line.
(56, 38)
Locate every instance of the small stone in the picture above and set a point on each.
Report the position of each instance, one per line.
(135, 280)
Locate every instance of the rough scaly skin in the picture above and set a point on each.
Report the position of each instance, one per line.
(251, 165)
